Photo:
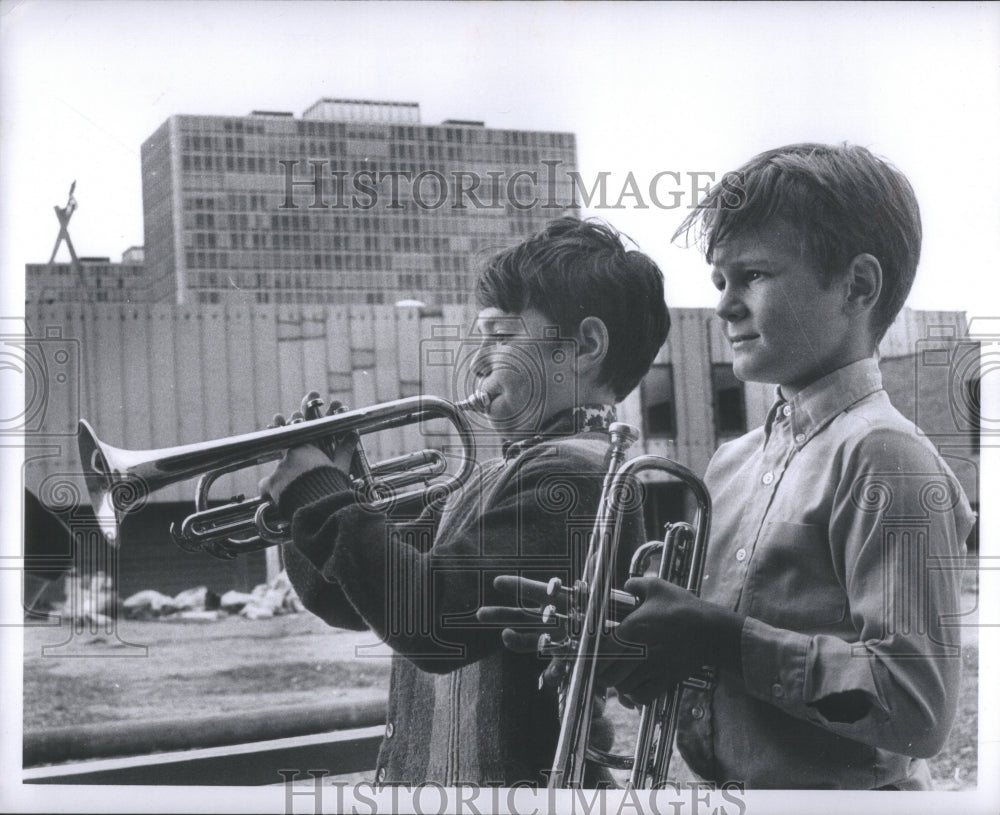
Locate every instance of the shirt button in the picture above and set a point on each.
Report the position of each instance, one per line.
(800, 437)
(741, 554)
(787, 410)
(777, 690)
(389, 730)
(380, 776)
(697, 712)
(768, 477)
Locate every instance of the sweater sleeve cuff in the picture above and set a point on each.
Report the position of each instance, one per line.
(311, 487)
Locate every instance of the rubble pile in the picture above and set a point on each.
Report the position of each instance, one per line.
(266, 600)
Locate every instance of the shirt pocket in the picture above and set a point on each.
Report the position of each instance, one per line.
(793, 583)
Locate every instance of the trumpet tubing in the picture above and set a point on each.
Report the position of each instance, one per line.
(119, 480)
(593, 604)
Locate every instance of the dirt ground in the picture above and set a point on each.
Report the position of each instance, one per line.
(160, 669)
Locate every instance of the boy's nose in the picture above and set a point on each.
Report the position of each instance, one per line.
(730, 307)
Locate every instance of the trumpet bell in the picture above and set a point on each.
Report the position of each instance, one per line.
(101, 479)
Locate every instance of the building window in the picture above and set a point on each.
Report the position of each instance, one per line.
(728, 401)
(658, 406)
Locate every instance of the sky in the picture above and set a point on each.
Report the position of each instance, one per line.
(647, 88)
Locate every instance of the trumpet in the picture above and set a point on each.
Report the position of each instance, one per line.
(592, 605)
(119, 480)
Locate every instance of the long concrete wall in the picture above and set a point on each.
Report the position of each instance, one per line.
(154, 376)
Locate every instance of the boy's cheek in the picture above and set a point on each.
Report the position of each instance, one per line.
(512, 408)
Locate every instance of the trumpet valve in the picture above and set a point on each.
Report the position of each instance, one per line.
(553, 675)
(312, 406)
(548, 647)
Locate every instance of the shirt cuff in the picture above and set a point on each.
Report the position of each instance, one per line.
(796, 672)
(774, 664)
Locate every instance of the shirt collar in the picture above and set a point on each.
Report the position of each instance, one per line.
(569, 422)
(812, 408)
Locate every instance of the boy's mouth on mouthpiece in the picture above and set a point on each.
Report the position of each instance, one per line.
(492, 391)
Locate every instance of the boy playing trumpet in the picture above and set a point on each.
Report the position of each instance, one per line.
(462, 709)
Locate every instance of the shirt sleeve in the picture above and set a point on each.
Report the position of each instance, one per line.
(898, 525)
(421, 598)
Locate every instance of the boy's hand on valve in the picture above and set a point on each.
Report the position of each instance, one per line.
(666, 639)
(523, 618)
(678, 633)
(304, 458)
(532, 615)
(295, 462)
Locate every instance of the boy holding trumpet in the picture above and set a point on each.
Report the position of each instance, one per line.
(831, 581)
(462, 708)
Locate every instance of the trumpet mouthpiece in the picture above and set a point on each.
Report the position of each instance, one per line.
(478, 401)
(622, 434)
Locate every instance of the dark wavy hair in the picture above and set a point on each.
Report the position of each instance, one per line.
(573, 269)
(843, 201)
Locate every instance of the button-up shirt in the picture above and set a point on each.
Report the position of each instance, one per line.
(838, 530)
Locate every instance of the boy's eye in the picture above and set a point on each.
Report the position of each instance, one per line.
(752, 275)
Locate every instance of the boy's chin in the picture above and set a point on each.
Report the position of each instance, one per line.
(754, 373)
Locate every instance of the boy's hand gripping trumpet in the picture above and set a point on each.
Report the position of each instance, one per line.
(119, 480)
(588, 611)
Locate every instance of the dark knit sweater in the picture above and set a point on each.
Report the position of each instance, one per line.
(462, 708)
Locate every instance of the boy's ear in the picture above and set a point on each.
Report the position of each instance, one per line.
(864, 282)
(592, 344)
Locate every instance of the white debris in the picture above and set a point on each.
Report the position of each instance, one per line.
(201, 603)
(197, 599)
(233, 601)
(199, 615)
(148, 603)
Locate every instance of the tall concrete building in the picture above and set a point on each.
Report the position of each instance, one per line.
(355, 202)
